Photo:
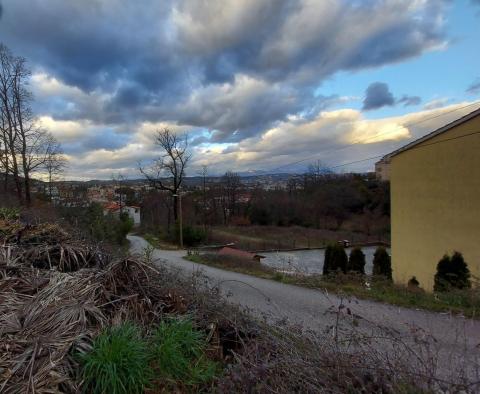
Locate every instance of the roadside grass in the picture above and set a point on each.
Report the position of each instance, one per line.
(178, 351)
(118, 362)
(124, 361)
(158, 242)
(464, 302)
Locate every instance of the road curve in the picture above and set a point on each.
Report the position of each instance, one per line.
(312, 308)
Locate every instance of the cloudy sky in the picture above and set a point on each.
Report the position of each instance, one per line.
(259, 85)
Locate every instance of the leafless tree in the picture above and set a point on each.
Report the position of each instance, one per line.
(119, 180)
(9, 128)
(203, 173)
(231, 185)
(168, 171)
(55, 163)
(25, 145)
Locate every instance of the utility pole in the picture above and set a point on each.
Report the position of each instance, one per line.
(180, 218)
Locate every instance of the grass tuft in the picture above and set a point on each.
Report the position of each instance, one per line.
(178, 353)
(118, 362)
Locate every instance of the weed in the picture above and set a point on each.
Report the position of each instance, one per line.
(118, 362)
(178, 353)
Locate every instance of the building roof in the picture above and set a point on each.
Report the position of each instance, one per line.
(112, 206)
(434, 133)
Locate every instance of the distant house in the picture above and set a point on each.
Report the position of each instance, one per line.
(133, 213)
(115, 209)
(435, 203)
(227, 251)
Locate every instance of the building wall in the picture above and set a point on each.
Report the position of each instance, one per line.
(382, 170)
(435, 196)
(134, 214)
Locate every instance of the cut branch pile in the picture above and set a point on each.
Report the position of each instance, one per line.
(55, 298)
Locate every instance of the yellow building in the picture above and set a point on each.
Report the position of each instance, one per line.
(435, 199)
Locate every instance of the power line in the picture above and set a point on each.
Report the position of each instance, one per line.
(372, 137)
(415, 147)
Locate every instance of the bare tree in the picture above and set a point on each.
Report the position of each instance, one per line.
(203, 173)
(9, 129)
(55, 163)
(25, 146)
(168, 171)
(231, 185)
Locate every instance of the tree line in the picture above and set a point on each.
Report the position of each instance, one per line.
(25, 147)
(317, 199)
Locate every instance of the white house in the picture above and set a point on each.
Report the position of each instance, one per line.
(134, 213)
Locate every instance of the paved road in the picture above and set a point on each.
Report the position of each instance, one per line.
(312, 308)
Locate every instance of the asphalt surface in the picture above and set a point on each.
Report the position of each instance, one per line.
(456, 339)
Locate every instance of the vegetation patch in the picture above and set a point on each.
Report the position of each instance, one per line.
(178, 353)
(118, 363)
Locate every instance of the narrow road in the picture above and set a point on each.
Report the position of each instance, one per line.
(313, 308)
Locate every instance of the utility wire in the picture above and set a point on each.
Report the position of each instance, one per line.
(412, 148)
(369, 138)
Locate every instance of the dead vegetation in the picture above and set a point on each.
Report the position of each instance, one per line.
(55, 298)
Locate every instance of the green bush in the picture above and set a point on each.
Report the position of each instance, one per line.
(356, 262)
(336, 259)
(118, 362)
(452, 273)
(382, 265)
(177, 350)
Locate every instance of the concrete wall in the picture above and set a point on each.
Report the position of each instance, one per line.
(435, 196)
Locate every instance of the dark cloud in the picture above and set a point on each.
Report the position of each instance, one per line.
(377, 96)
(235, 68)
(105, 139)
(407, 100)
(474, 88)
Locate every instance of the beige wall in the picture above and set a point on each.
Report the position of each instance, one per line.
(382, 170)
(435, 192)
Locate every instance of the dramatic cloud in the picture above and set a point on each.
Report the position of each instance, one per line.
(336, 137)
(474, 88)
(377, 96)
(228, 71)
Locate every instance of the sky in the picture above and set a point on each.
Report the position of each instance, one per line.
(259, 86)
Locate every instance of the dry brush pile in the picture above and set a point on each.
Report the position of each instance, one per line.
(56, 296)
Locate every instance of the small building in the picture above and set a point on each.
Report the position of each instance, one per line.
(435, 203)
(134, 213)
(114, 208)
(243, 254)
(382, 169)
